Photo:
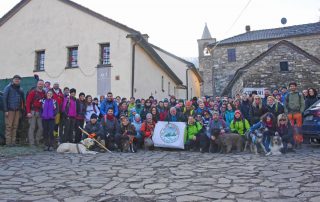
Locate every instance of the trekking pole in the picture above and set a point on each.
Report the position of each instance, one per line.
(101, 145)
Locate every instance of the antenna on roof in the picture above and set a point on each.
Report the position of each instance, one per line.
(284, 21)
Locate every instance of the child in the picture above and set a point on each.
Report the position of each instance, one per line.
(49, 110)
(137, 124)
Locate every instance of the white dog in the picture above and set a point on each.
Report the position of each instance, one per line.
(77, 148)
(276, 145)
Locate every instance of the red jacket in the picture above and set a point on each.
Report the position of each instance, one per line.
(58, 97)
(147, 129)
(34, 100)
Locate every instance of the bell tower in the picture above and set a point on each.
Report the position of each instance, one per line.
(205, 62)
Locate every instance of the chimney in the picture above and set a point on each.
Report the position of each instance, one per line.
(248, 28)
(145, 36)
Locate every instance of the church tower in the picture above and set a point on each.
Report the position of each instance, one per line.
(205, 62)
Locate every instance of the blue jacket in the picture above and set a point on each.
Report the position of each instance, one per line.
(229, 117)
(106, 104)
(13, 98)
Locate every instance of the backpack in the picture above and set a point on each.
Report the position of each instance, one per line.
(287, 98)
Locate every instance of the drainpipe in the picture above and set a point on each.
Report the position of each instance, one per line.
(187, 82)
(133, 59)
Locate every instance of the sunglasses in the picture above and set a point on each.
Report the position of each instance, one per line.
(282, 119)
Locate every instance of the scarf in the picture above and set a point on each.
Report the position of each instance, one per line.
(110, 117)
(269, 124)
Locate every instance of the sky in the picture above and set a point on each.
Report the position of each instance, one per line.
(175, 25)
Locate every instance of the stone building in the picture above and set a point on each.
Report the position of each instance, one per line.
(267, 58)
(65, 42)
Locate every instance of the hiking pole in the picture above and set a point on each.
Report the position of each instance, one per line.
(101, 145)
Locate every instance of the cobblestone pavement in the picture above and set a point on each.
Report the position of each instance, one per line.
(162, 176)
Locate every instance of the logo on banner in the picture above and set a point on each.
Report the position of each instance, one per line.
(169, 133)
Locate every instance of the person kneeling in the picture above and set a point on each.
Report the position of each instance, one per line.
(126, 140)
(285, 131)
(192, 134)
(217, 127)
(95, 130)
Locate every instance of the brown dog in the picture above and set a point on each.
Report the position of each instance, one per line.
(228, 140)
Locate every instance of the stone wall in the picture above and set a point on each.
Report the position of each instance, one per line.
(223, 71)
(266, 72)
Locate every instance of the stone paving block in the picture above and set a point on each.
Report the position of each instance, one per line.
(110, 185)
(155, 186)
(189, 198)
(212, 195)
(163, 191)
(238, 190)
(78, 199)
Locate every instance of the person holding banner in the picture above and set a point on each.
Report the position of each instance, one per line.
(192, 134)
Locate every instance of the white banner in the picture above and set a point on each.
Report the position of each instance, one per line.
(249, 91)
(169, 134)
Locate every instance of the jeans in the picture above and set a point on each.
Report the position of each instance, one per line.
(266, 140)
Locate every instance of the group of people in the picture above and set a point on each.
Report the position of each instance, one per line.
(56, 114)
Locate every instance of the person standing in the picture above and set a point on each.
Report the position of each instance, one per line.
(294, 107)
(107, 103)
(311, 98)
(49, 110)
(33, 108)
(13, 104)
(91, 108)
(81, 112)
(69, 109)
(58, 97)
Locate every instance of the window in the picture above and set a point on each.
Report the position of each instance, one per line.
(284, 66)
(162, 84)
(231, 55)
(40, 57)
(105, 54)
(72, 57)
(169, 88)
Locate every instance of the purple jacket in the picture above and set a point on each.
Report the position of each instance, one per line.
(49, 107)
(69, 107)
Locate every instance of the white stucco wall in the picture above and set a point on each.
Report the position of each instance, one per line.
(148, 75)
(53, 26)
(179, 68)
